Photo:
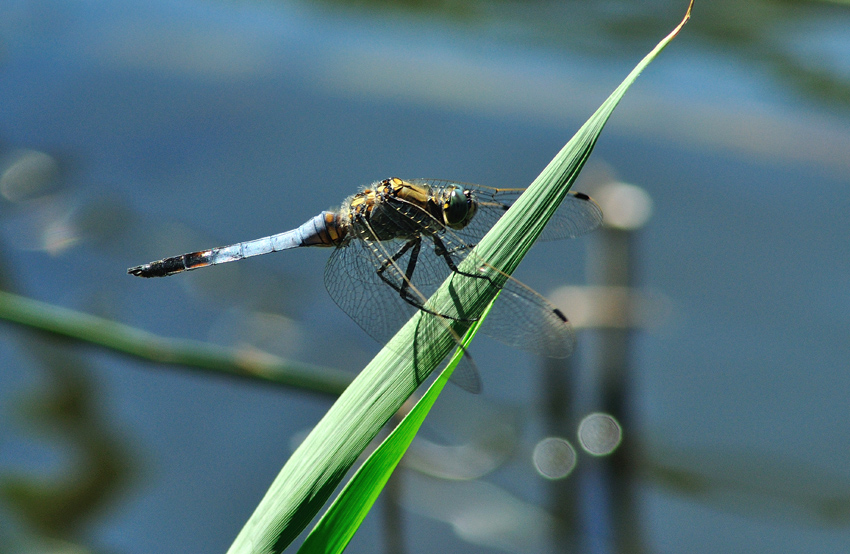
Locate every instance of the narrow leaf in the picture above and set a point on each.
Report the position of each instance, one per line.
(337, 526)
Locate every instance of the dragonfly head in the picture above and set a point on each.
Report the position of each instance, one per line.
(458, 207)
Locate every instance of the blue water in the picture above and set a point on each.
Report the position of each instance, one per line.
(179, 126)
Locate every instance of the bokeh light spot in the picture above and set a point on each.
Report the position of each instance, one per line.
(625, 206)
(26, 174)
(599, 434)
(554, 458)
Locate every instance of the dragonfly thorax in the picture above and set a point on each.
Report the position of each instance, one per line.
(398, 209)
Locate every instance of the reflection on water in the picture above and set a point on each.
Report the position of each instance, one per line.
(91, 465)
(801, 43)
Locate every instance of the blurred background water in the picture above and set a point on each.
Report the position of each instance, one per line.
(130, 132)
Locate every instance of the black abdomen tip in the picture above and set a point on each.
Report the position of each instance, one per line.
(161, 268)
(147, 270)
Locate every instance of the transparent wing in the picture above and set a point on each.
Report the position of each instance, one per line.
(521, 317)
(353, 281)
(525, 320)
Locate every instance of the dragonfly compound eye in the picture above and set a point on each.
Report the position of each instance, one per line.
(456, 212)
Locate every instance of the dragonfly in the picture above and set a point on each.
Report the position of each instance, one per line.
(395, 241)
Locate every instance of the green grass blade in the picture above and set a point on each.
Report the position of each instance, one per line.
(320, 463)
(340, 522)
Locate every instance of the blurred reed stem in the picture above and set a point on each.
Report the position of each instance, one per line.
(192, 354)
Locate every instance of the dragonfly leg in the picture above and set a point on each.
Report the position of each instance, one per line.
(441, 250)
(404, 289)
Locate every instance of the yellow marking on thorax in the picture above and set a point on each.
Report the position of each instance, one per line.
(414, 194)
